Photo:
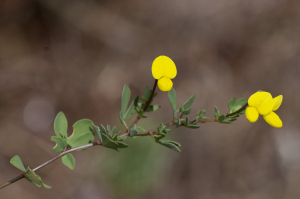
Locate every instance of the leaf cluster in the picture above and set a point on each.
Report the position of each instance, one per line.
(233, 106)
(109, 138)
(29, 174)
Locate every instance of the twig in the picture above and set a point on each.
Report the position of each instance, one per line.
(49, 161)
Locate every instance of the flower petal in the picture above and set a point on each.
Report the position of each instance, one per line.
(273, 119)
(277, 102)
(252, 114)
(165, 84)
(170, 68)
(257, 98)
(158, 67)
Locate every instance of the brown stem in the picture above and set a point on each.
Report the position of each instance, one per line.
(49, 161)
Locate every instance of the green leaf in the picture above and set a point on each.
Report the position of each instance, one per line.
(140, 129)
(231, 103)
(97, 131)
(113, 130)
(132, 130)
(152, 108)
(239, 104)
(217, 113)
(187, 111)
(121, 145)
(169, 144)
(45, 186)
(188, 103)
(234, 116)
(121, 138)
(131, 108)
(68, 160)
(35, 179)
(17, 162)
(82, 134)
(60, 144)
(109, 143)
(242, 111)
(147, 93)
(61, 125)
(201, 113)
(32, 177)
(193, 126)
(178, 123)
(140, 113)
(221, 118)
(103, 130)
(125, 99)
(186, 121)
(172, 99)
(161, 127)
(175, 143)
(121, 117)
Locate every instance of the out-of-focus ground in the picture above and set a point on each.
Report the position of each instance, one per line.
(75, 56)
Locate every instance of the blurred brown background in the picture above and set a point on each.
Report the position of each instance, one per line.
(75, 56)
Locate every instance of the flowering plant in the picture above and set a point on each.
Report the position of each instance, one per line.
(163, 70)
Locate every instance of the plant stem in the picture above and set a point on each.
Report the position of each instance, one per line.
(146, 133)
(145, 108)
(49, 161)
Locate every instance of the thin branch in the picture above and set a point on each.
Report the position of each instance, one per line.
(145, 108)
(49, 161)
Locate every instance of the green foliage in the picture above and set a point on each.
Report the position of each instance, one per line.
(35, 179)
(140, 113)
(201, 115)
(109, 138)
(140, 129)
(231, 103)
(60, 144)
(173, 101)
(234, 106)
(131, 108)
(82, 134)
(61, 125)
(148, 95)
(132, 130)
(217, 113)
(125, 99)
(170, 144)
(17, 162)
(149, 108)
(191, 126)
(68, 160)
(187, 104)
(187, 111)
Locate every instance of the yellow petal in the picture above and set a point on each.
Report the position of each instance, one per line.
(277, 102)
(257, 98)
(252, 114)
(170, 68)
(165, 84)
(158, 67)
(163, 66)
(273, 119)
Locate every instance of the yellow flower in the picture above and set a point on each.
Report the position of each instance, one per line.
(262, 103)
(164, 69)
